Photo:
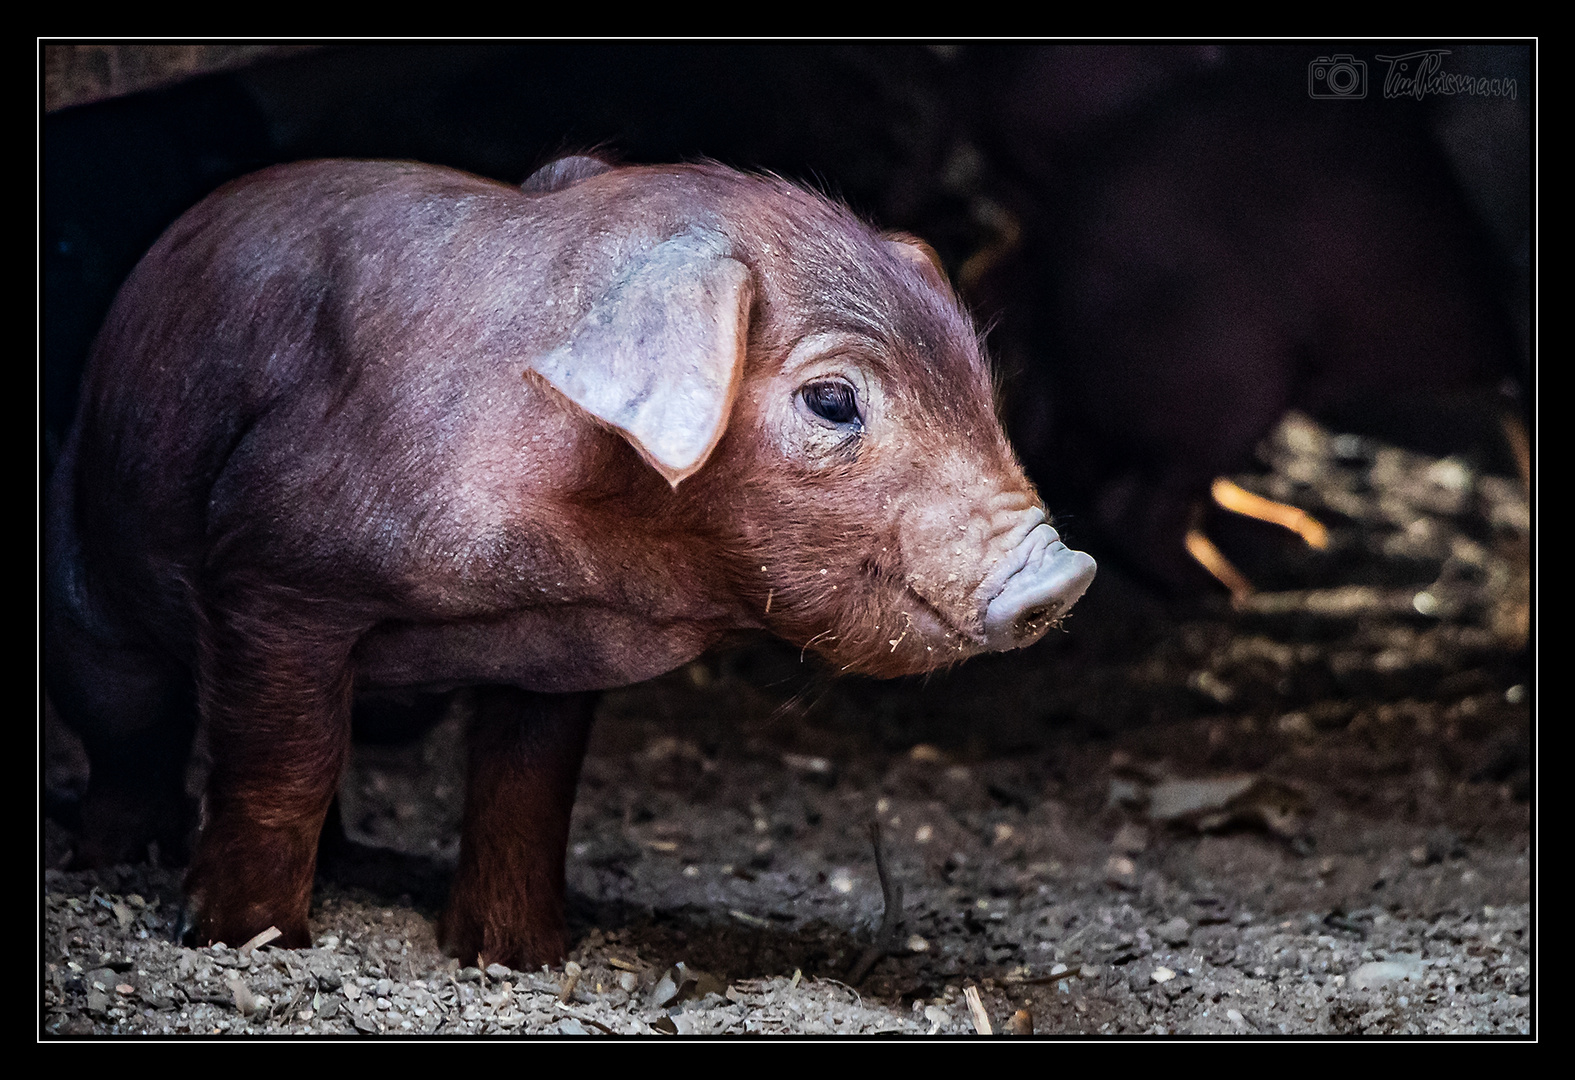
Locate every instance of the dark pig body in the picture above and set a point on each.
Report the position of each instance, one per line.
(363, 428)
(1206, 247)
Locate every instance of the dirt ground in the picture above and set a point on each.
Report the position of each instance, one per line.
(1309, 816)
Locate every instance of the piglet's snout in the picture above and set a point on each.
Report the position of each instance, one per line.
(1035, 584)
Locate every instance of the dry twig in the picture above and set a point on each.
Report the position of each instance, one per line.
(891, 918)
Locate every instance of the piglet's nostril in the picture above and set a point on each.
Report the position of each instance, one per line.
(1029, 620)
(1044, 578)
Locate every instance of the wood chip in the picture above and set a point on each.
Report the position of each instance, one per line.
(981, 1019)
(261, 939)
(572, 973)
(625, 965)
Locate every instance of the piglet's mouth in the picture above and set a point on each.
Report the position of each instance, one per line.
(1032, 588)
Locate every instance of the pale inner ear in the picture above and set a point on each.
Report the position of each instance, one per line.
(660, 356)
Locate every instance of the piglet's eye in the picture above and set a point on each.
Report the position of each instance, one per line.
(832, 400)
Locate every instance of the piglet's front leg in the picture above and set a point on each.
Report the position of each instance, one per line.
(525, 754)
(275, 695)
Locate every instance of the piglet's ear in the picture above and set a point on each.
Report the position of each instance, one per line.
(564, 172)
(918, 253)
(659, 357)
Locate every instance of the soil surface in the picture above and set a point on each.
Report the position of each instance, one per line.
(1308, 815)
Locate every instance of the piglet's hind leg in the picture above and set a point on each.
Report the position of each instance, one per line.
(525, 754)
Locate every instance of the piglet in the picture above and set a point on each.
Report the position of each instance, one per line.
(375, 428)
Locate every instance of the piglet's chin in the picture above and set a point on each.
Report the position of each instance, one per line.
(1039, 580)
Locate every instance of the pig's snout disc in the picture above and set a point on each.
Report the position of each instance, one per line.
(1050, 580)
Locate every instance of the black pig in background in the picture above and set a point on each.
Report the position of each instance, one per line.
(1196, 240)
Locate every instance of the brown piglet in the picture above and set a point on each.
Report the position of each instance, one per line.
(385, 428)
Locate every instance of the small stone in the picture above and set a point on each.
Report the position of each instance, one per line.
(665, 990)
(1120, 870)
(246, 1003)
(1451, 474)
(1175, 931)
(916, 943)
(1296, 725)
(937, 1017)
(1378, 972)
(1173, 800)
(1125, 792)
(1162, 975)
(1210, 685)
(1130, 839)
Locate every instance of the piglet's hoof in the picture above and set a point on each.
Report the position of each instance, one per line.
(479, 941)
(247, 878)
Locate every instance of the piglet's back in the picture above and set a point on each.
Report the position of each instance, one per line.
(308, 293)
